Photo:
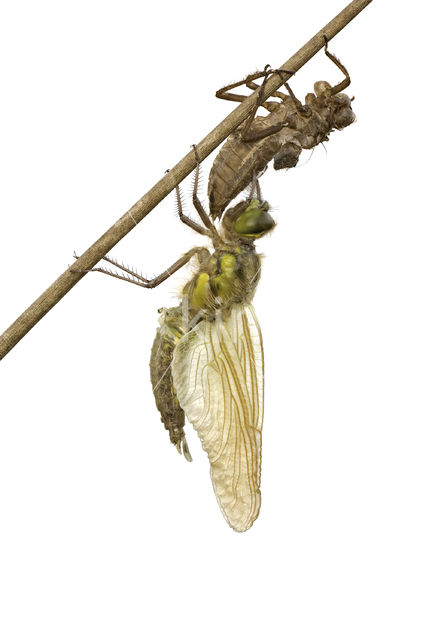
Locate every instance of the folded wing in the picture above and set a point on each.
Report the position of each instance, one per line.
(218, 375)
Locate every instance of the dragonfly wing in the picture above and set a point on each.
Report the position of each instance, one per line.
(218, 375)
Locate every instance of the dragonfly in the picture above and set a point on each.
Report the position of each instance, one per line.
(280, 136)
(207, 361)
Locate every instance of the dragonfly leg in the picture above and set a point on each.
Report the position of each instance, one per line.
(277, 94)
(301, 108)
(225, 94)
(346, 82)
(255, 186)
(251, 136)
(268, 105)
(136, 278)
(197, 202)
(186, 219)
(258, 192)
(260, 99)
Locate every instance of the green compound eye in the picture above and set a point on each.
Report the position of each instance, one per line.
(255, 220)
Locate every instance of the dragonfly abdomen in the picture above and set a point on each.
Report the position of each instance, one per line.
(172, 415)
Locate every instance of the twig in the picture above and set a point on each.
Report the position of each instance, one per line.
(151, 199)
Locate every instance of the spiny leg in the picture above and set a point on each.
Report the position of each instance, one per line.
(301, 108)
(245, 132)
(186, 219)
(252, 136)
(346, 82)
(259, 134)
(197, 202)
(137, 278)
(277, 94)
(268, 105)
(224, 94)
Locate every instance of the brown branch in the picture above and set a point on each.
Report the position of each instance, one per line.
(127, 222)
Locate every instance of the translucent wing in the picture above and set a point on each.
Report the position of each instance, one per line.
(218, 375)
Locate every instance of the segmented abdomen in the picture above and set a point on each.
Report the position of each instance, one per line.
(166, 339)
(235, 164)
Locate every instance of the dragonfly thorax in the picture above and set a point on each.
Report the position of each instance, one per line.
(228, 277)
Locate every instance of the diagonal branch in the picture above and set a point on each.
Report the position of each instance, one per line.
(127, 222)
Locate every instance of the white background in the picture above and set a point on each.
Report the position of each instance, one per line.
(105, 531)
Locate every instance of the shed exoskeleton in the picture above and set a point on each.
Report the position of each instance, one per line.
(279, 136)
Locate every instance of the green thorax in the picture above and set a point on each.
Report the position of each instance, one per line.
(230, 275)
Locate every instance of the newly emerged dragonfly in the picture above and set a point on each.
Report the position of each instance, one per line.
(281, 135)
(207, 357)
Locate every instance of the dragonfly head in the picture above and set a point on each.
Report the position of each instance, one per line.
(338, 105)
(248, 221)
(343, 115)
